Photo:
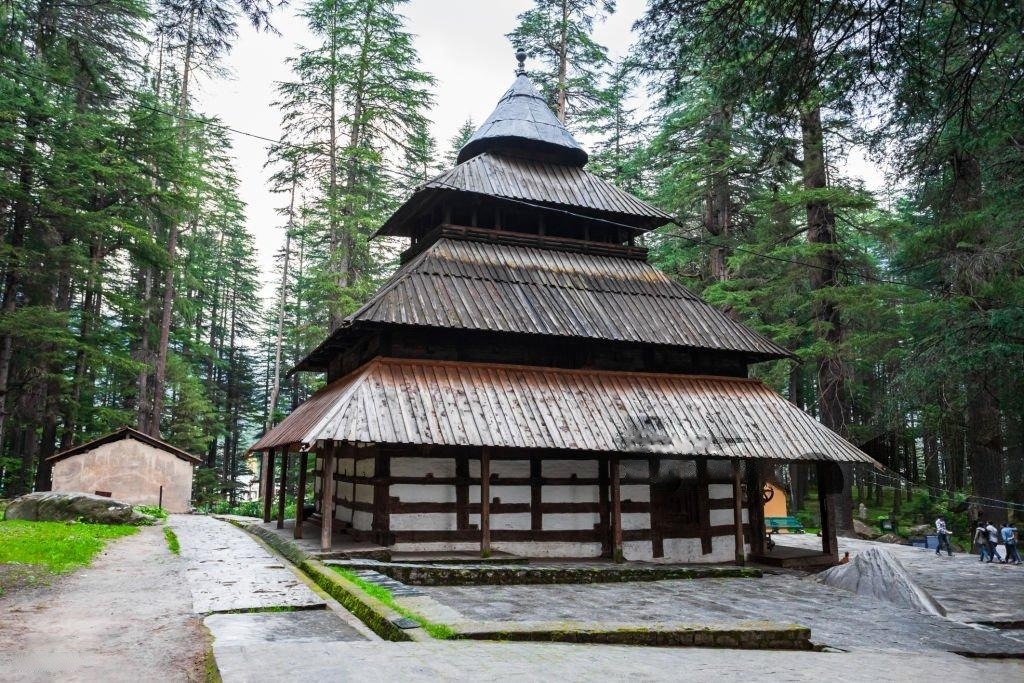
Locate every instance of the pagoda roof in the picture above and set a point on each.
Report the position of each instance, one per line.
(523, 121)
(517, 178)
(444, 403)
(461, 284)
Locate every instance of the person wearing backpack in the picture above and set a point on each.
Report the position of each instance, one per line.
(981, 539)
(1009, 535)
(993, 540)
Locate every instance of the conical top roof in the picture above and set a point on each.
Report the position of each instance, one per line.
(523, 124)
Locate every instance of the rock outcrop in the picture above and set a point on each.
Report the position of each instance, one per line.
(862, 530)
(878, 574)
(64, 506)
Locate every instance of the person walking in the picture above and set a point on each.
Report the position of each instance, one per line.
(981, 539)
(993, 540)
(1009, 536)
(943, 533)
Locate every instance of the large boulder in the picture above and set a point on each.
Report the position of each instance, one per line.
(62, 506)
(862, 530)
(876, 573)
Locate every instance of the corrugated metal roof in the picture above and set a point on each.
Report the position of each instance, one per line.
(522, 119)
(498, 287)
(518, 178)
(398, 401)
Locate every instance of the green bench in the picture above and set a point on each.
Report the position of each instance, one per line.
(773, 525)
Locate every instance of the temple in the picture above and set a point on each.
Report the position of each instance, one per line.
(527, 382)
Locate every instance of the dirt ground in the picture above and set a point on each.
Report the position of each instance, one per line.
(127, 617)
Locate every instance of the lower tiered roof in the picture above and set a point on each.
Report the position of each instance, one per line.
(420, 402)
(498, 287)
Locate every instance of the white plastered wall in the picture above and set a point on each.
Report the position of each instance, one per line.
(131, 471)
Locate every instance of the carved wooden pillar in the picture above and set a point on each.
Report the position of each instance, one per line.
(755, 507)
(617, 555)
(485, 502)
(737, 511)
(283, 494)
(300, 494)
(268, 484)
(606, 523)
(830, 487)
(327, 498)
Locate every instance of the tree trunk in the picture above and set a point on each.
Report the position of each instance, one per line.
(717, 204)
(821, 230)
(281, 302)
(563, 60)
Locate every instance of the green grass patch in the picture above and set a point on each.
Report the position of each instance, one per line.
(172, 540)
(438, 631)
(58, 546)
(151, 510)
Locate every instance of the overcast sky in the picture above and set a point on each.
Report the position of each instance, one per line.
(461, 42)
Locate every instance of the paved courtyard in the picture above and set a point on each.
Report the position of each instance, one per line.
(970, 590)
(518, 662)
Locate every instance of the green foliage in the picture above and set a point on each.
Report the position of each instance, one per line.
(172, 540)
(567, 62)
(152, 511)
(58, 546)
(438, 631)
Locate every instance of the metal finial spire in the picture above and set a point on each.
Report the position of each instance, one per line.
(521, 56)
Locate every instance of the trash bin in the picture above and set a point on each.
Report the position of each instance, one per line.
(931, 541)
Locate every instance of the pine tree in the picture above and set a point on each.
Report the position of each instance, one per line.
(358, 97)
(557, 33)
(459, 141)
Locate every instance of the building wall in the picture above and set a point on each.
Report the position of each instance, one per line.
(432, 503)
(130, 471)
(776, 507)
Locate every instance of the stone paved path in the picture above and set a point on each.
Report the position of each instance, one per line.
(969, 590)
(835, 617)
(518, 662)
(229, 571)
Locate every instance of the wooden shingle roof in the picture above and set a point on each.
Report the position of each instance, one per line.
(532, 181)
(401, 401)
(523, 121)
(457, 284)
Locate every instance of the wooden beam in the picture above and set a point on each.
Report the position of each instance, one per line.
(381, 523)
(268, 484)
(485, 502)
(704, 505)
(603, 506)
(830, 484)
(462, 492)
(283, 493)
(737, 510)
(327, 499)
(755, 507)
(300, 494)
(616, 512)
(536, 515)
(657, 506)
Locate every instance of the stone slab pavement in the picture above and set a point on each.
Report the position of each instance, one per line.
(971, 591)
(496, 662)
(836, 617)
(229, 571)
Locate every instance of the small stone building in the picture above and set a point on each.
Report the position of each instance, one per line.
(129, 466)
